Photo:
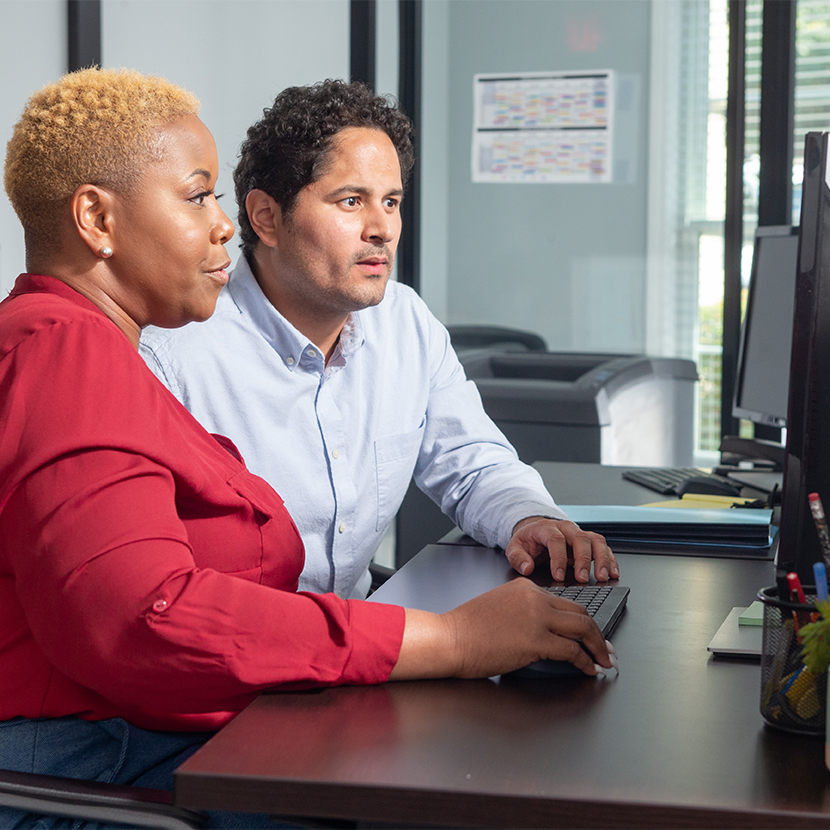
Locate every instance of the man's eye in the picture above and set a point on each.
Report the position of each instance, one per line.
(350, 201)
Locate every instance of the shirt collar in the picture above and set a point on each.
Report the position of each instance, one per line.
(41, 284)
(286, 340)
(351, 338)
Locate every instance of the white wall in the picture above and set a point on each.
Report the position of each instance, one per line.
(235, 55)
(434, 161)
(387, 36)
(565, 260)
(33, 53)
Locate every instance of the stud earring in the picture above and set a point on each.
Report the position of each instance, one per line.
(106, 252)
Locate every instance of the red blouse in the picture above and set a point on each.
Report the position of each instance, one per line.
(144, 572)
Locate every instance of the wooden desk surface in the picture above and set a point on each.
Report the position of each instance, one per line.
(676, 740)
(572, 483)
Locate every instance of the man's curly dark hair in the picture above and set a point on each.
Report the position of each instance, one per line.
(288, 147)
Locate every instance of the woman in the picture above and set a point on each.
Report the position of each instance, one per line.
(147, 579)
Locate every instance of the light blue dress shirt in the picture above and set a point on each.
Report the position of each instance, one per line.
(340, 442)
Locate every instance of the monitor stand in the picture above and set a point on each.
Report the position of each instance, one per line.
(766, 455)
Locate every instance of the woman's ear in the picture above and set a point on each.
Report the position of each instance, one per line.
(265, 216)
(92, 216)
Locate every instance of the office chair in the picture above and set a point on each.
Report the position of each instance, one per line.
(94, 801)
(473, 337)
(380, 573)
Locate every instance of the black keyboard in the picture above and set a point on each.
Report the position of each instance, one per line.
(667, 480)
(605, 603)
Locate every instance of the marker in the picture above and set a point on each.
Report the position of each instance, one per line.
(817, 509)
(797, 595)
(796, 591)
(820, 573)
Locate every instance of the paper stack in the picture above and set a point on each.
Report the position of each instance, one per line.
(702, 532)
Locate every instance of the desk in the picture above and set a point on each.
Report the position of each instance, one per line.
(676, 740)
(574, 483)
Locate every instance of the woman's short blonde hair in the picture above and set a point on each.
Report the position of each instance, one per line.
(94, 126)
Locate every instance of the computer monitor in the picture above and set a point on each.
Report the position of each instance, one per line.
(763, 374)
(807, 451)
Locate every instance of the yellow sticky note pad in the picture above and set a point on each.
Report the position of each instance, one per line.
(698, 500)
(754, 615)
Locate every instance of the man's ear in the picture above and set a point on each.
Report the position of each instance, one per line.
(265, 216)
(92, 216)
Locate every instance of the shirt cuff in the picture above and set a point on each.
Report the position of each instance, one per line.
(525, 510)
(377, 631)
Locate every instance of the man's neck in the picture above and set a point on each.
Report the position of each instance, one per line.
(321, 329)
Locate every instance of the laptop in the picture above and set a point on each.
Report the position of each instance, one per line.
(734, 640)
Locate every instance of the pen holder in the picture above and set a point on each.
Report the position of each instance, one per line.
(792, 697)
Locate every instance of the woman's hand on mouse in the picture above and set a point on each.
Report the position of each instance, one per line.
(500, 631)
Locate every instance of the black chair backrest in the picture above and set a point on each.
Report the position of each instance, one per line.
(482, 336)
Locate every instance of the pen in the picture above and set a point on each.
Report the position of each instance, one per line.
(817, 509)
(820, 573)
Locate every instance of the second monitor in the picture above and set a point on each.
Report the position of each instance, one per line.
(763, 374)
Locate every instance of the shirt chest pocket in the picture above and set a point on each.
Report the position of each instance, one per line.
(234, 543)
(395, 459)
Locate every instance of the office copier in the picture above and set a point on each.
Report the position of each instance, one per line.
(601, 408)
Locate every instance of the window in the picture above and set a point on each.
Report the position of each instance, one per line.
(812, 82)
(687, 293)
(688, 196)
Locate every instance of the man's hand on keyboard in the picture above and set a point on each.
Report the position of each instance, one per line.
(566, 543)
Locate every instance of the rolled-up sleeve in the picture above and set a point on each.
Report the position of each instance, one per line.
(115, 600)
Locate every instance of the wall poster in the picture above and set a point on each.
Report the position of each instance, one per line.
(543, 127)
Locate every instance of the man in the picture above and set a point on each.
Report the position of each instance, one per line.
(336, 384)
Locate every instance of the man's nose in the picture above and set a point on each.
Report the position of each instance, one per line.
(381, 225)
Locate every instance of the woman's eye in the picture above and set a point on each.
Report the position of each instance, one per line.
(199, 198)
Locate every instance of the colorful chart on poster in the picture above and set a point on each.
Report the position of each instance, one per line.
(543, 127)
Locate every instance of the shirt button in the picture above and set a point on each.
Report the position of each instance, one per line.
(335, 453)
(290, 361)
(311, 353)
(160, 605)
(342, 527)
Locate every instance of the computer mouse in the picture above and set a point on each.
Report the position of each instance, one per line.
(548, 668)
(709, 486)
(551, 668)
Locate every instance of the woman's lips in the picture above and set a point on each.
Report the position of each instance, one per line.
(220, 274)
